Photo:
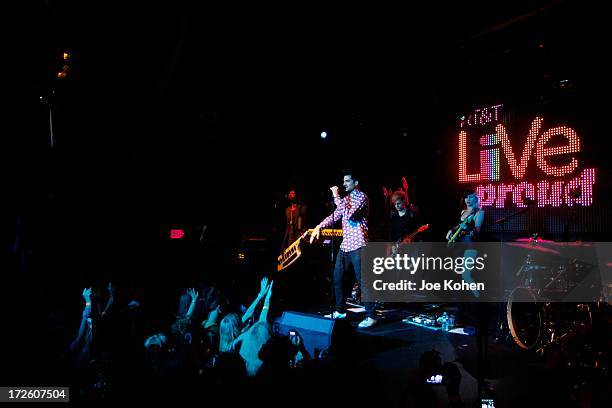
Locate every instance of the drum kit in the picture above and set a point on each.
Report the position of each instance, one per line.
(537, 319)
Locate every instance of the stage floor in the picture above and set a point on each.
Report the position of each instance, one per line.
(517, 377)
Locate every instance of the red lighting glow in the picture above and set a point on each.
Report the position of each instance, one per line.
(177, 233)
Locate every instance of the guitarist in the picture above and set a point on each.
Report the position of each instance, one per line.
(470, 223)
(470, 220)
(403, 218)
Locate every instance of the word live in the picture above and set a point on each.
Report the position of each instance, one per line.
(554, 190)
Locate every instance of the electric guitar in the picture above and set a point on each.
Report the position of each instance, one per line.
(408, 238)
(461, 227)
(294, 251)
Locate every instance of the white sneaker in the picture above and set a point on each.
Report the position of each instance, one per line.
(367, 322)
(338, 315)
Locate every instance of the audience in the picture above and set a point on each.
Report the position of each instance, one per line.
(113, 356)
(230, 329)
(252, 342)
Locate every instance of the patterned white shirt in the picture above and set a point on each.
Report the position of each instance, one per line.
(353, 211)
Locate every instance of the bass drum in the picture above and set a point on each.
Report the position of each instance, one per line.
(524, 318)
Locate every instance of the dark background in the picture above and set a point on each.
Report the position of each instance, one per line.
(180, 114)
(184, 114)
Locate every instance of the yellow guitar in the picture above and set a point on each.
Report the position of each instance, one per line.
(461, 227)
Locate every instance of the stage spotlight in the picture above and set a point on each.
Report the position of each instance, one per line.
(324, 135)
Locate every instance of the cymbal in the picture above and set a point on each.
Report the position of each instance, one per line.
(535, 241)
(534, 247)
(549, 243)
(574, 244)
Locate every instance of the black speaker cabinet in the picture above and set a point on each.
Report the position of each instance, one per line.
(317, 332)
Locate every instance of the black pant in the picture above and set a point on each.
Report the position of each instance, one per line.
(343, 260)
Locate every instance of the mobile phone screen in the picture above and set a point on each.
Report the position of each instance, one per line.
(435, 379)
(487, 403)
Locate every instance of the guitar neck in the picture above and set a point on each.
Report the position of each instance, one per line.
(461, 227)
(454, 236)
(409, 237)
(327, 232)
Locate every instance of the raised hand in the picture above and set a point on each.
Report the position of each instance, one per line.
(263, 317)
(87, 295)
(193, 293)
(269, 294)
(335, 191)
(264, 286)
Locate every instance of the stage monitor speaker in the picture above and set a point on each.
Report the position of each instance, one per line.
(316, 331)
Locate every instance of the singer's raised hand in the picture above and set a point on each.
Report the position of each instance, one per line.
(335, 191)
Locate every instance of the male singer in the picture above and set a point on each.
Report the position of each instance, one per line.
(352, 210)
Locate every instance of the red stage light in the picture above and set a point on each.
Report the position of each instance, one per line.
(177, 233)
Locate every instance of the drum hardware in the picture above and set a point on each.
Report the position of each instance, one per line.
(537, 325)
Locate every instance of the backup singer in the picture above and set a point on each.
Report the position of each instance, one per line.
(295, 216)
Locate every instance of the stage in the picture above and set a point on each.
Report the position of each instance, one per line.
(181, 176)
(514, 378)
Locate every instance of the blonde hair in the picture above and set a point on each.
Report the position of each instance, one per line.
(255, 338)
(230, 328)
